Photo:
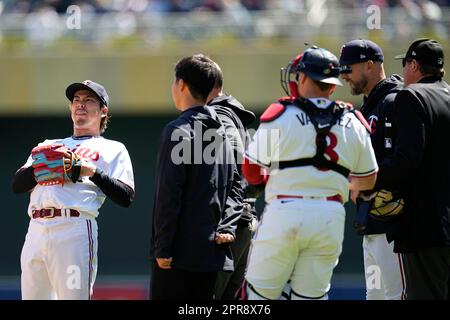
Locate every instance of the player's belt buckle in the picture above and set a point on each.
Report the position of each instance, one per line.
(52, 213)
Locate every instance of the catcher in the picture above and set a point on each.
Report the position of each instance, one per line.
(69, 180)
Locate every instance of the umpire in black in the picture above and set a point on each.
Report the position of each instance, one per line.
(419, 161)
(194, 219)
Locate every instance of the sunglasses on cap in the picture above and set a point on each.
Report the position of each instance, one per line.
(346, 69)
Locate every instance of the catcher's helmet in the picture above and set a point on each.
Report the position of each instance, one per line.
(317, 63)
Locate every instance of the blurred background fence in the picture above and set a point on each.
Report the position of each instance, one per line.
(131, 46)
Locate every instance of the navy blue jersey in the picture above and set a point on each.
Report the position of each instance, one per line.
(377, 109)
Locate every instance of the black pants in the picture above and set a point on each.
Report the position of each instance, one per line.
(178, 284)
(427, 273)
(228, 283)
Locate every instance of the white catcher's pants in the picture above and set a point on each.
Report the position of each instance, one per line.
(297, 239)
(59, 259)
(383, 269)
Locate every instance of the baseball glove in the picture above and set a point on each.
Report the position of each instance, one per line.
(385, 205)
(55, 164)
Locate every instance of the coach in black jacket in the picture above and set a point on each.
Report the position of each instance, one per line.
(420, 161)
(362, 68)
(193, 222)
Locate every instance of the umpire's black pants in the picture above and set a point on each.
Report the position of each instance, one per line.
(427, 273)
(178, 284)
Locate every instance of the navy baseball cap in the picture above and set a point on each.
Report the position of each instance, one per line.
(360, 50)
(426, 51)
(91, 86)
(320, 65)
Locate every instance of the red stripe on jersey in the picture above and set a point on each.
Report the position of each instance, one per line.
(363, 120)
(357, 175)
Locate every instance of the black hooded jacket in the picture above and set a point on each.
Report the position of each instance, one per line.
(236, 119)
(377, 109)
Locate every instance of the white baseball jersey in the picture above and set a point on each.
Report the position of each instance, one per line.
(292, 136)
(108, 155)
(301, 239)
(59, 256)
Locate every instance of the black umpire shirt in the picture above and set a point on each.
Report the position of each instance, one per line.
(420, 160)
(377, 109)
(194, 178)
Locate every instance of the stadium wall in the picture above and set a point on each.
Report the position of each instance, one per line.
(139, 83)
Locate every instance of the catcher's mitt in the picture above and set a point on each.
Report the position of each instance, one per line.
(385, 205)
(55, 164)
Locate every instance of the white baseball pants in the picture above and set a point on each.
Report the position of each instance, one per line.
(59, 259)
(383, 269)
(300, 240)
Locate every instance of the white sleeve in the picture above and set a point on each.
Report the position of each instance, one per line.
(122, 169)
(264, 147)
(366, 163)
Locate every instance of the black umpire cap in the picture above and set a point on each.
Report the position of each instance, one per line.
(94, 87)
(320, 65)
(426, 51)
(360, 50)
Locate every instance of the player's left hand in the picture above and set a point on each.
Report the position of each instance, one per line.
(224, 238)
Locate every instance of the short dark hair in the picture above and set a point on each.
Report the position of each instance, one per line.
(199, 73)
(427, 69)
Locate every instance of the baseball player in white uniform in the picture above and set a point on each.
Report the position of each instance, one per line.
(306, 149)
(59, 257)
